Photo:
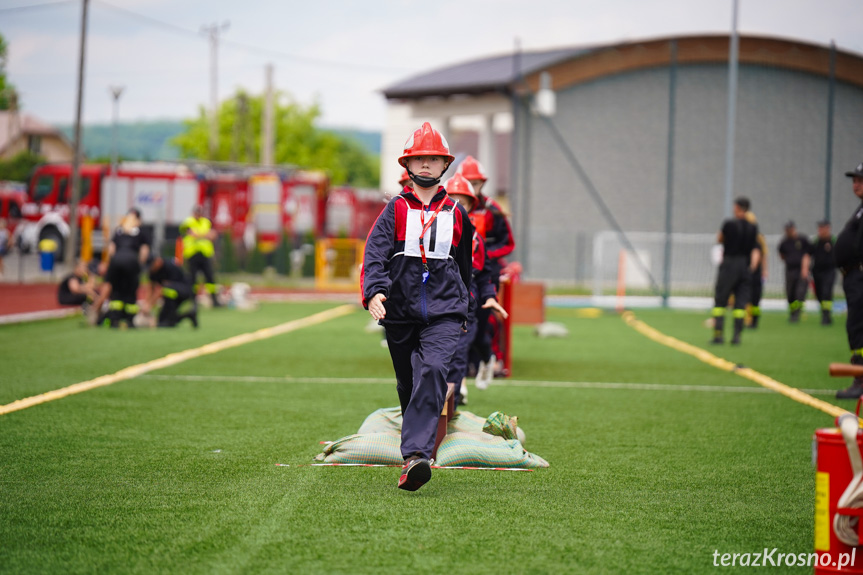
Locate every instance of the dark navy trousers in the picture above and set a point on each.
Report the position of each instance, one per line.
(421, 356)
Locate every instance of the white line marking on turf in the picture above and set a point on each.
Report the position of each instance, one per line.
(179, 357)
(38, 315)
(506, 383)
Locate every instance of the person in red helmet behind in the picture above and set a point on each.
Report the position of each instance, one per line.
(482, 290)
(492, 225)
(415, 282)
(404, 179)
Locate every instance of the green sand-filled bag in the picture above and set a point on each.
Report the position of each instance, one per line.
(370, 448)
(483, 450)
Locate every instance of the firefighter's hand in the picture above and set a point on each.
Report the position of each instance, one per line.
(492, 303)
(376, 306)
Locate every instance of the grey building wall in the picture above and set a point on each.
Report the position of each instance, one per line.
(617, 128)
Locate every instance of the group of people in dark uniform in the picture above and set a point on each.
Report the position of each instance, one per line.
(742, 271)
(802, 258)
(109, 292)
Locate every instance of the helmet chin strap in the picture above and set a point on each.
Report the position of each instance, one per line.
(425, 181)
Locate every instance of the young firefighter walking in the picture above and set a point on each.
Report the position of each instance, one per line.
(415, 278)
(482, 290)
(493, 227)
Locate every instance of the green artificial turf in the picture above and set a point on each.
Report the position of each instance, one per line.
(175, 471)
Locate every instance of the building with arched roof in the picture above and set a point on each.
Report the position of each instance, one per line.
(633, 136)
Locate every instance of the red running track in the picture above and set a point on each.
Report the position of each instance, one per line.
(27, 298)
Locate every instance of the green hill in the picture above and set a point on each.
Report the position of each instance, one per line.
(135, 140)
(150, 140)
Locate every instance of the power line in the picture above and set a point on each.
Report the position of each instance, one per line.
(149, 20)
(312, 61)
(37, 6)
(247, 47)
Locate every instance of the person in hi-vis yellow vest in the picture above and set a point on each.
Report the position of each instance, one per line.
(198, 235)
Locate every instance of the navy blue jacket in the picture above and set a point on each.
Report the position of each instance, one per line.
(392, 263)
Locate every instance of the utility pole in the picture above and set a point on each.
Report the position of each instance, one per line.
(831, 106)
(267, 120)
(108, 214)
(213, 31)
(72, 243)
(732, 112)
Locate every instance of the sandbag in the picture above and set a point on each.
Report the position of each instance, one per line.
(502, 425)
(465, 421)
(471, 441)
(483, 450)
(371, 448)
(383, 420)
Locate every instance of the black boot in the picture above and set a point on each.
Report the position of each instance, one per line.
(826, 318)
(216, 302)
(754, 323)
(795, 316)
(855, 390)
(192, 315)
(113, 318)
(718, 327)
(738, 329)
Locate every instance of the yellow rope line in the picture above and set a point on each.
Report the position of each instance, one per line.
(725, 365)
(175, 358)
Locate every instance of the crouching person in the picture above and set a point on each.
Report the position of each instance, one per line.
(173, 285)
(78, 287)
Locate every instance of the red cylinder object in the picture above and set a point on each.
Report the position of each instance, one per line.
(178, 251)
(832, 476)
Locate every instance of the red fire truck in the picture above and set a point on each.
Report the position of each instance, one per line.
(292, 203)
(13, 195)
(352, 212)
(164, 192)
(253, 204)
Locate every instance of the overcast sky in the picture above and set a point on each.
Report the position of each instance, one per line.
(339, 53)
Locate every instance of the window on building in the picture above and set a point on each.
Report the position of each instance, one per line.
(34, 144)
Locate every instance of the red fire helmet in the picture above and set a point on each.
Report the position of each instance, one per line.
(459, 186)
(426, 142)
(404, 178)
(472, 169)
